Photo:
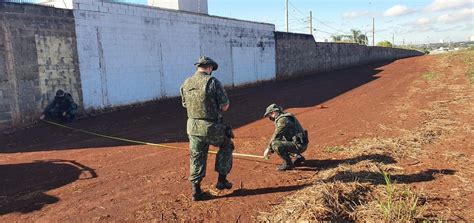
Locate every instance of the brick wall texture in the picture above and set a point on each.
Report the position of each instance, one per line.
(38, 56)
(299, 54)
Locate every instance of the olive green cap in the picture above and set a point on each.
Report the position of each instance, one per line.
(207, 61)
(271, 108)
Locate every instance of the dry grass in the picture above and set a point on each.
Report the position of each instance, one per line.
(344, 195)
(362, 190)
(323, 202)
(333, 149)
(429, 76)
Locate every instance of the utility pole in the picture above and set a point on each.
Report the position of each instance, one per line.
(373, 31)
(393, 39)
(311, 22)
(286, 9)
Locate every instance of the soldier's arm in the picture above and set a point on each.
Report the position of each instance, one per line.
(220, 93)
(183, 101)
(50, 106)
(279, 130)
(72, 106)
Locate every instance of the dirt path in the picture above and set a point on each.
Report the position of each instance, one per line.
(52, 174)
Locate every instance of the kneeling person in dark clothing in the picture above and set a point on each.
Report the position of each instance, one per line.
(62, 108)
(289, 138)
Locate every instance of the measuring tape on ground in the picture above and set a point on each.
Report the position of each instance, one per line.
(141, 142)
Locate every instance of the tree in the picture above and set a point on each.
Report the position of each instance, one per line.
(364, 40)
(385, 43)
(358, 37)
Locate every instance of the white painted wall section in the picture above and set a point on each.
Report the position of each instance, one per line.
(130, 54)
(198, 6)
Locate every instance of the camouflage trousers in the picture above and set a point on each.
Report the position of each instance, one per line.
(199, 148)
(286, 148)
(57, 113)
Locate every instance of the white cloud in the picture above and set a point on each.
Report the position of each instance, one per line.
(459, 16)
(397, 10)
(354, 14)
(423, 21)
(439, 5)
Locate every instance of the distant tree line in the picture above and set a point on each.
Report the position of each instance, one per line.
(358, 37)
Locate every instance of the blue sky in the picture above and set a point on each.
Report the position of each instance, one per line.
(415, 21)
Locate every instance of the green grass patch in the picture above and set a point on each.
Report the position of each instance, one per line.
(334, 149)
(400, 204)
(429, 76)
(470, 74)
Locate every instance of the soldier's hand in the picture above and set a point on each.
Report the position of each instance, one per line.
(267, 153)
(42, 116)
(64, 113)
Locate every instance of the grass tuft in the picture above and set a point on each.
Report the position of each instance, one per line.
(334, 149)
(399, 204)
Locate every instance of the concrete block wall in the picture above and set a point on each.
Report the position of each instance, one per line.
(38, 56)
(131, 54)
(299, 54)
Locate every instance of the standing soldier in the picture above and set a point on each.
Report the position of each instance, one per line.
(288, 139)
(204, 99)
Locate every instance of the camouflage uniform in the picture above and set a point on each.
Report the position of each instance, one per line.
(289, 137)
(203, 97)
(61, 104)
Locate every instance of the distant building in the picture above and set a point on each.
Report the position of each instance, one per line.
(66, 4)
(198, 6)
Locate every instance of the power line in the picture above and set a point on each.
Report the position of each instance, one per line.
(315, 19)
(319, 30)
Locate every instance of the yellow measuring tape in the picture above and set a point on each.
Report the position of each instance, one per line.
(143, 143)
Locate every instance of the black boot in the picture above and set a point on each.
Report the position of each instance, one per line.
(223, 183)
(197, 192)
(299, 160)
(287, 164)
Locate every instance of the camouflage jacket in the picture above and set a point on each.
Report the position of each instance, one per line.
(203, 96)
(288, 128)
(63, 104)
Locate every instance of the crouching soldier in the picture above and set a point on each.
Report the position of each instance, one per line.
(289, 138)
(62, 108)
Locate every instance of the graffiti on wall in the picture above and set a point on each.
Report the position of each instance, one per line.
(56, 67)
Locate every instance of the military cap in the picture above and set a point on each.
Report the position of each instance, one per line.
(60, 93)
(271, 108)
(207, 61)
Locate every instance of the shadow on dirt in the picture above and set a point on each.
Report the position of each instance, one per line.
(314, 165)
(344, 176)
(267, 190)
(378, 178)
(23, 185)
(165, 121)
(258, 191)
(368, 176)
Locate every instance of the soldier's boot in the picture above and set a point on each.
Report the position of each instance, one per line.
(197, 192)
(299, 160)
(287, 164)
(223, 183)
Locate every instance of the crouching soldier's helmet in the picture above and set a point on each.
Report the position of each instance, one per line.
(272, 108)
(60, 93)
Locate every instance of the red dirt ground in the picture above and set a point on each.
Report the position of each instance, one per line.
(52, 174)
